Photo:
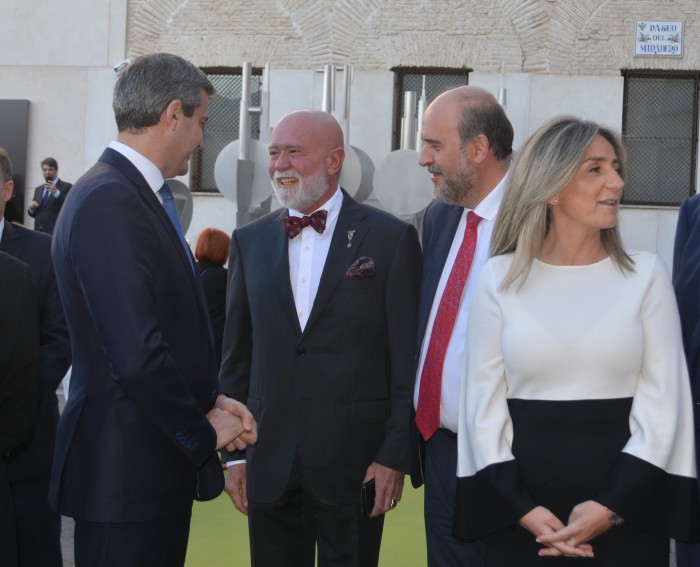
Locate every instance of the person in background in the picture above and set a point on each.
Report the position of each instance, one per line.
(137, 439)
(48, 197)
(29, 469)
(467, 146)
(19, 385)
(320, 323)
(686, 282)
(575, 423)
(211, 253)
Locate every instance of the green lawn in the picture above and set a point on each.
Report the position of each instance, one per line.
(219, 534)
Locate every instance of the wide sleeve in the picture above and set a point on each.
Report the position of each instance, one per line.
(653, 483)
(490, 491)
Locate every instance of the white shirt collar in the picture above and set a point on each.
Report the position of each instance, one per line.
(149, 170)
(488, 208)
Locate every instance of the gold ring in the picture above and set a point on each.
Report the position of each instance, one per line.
(394, 503)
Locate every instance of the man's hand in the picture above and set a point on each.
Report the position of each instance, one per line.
(33, 205)
(586, 521)
(250, 429)
(227, 426)
(388, 487)
(235, 487)
(545, 526)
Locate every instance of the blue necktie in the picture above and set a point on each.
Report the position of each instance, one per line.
(169, 205)
(45, 197)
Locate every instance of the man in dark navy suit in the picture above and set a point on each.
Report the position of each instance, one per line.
(320, 325)
(48, 197)
(686, 282)
(38, 526)
(137, 439)
(467, 145)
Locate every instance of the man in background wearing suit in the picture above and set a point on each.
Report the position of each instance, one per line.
(686, 282)
(467, 149)
(137, 439)
(38, 526)
(320, 327)
(48, 197)
(19, 387)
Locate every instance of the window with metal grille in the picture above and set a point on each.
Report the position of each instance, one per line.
(222, 126)
(437, 81)
(660, 130)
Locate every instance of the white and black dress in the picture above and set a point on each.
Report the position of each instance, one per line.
(577, 390)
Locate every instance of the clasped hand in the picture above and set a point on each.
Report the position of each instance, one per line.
(586, 521)
(234, 424)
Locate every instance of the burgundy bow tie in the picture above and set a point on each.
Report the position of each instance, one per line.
(294, 225)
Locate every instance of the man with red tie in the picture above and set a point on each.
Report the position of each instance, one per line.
(467, 150)
(320, 326)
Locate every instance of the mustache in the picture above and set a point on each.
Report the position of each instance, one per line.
(434, 170)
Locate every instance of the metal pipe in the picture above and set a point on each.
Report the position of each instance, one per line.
(244, 116)
(408, 123)
(327, 101)
(422, 105)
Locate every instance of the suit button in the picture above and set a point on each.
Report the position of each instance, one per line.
(301, 351)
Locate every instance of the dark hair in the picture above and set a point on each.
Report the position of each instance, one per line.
(50, 162)
(149, 84)
(5, 165)
(212, 246)
(481, 114)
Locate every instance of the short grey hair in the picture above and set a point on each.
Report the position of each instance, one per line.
(149, 84)
(548, 161)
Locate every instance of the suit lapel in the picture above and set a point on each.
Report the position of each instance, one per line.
(351, 218)
(435, 255)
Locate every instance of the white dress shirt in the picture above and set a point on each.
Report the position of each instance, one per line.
(455, 356)
(307, 257)
(149, 170)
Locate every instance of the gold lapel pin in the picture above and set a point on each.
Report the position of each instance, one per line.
(351, 233)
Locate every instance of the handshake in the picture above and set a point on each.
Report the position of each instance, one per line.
(234, 424)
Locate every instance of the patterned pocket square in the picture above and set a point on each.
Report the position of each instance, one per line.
(363, 267)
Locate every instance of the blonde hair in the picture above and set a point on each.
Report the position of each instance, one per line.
(549, 159)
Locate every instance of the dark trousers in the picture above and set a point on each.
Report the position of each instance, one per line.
(161, 543)
(38, 526)
(8, 535)
(440, 488)
(286, 533)
(687, 554)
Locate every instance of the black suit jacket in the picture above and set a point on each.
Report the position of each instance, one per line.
(214, 282)
(45, 215)
(686, 282)
(19, 388)
(337, 394)
(134, 433)
(33, 458)
(440, 224)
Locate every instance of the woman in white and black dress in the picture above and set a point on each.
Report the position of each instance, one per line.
(575, 434)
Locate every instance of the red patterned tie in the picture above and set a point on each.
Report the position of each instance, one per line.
(428, 412)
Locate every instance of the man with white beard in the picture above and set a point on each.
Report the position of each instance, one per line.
(320, 327)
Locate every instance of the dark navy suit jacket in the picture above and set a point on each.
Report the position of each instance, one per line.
(439, 227)
(33, 458)
(133, 434)
(686, 282)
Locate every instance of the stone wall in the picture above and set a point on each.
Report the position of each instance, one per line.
(580, 37)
